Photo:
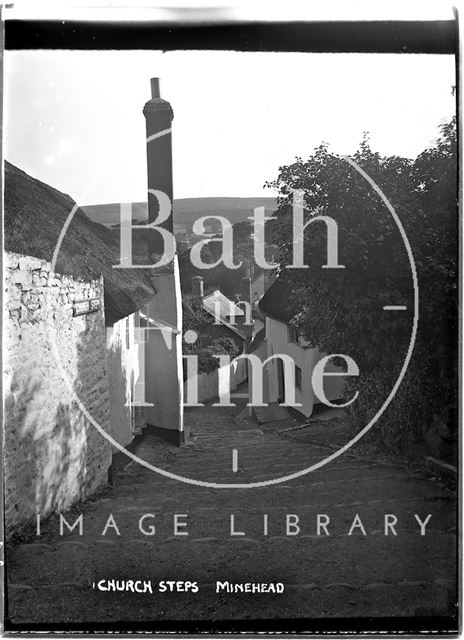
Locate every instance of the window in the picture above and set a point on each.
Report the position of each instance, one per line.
(298, 378)
(293, 335)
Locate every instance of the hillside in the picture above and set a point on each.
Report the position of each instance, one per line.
(186, 210)
(34, 216)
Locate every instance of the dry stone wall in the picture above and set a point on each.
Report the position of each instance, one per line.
(53, 456)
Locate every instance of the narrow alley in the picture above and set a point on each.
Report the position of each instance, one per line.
(53, 577)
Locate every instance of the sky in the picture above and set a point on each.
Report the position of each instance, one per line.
(73, 119)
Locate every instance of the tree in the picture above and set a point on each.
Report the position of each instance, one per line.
(208, 344)
(341, 310)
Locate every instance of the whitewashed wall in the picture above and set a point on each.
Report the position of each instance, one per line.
(163, 363)
(208, 384)
(125, 359)
(306, 359)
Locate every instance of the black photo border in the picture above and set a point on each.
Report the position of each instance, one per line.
(382, 36)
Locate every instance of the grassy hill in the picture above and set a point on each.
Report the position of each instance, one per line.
(186, 210)
(34, 216)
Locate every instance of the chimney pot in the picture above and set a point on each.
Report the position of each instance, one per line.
(155, 88)
(197, 286)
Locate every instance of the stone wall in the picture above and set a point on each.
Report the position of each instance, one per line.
(53, 455)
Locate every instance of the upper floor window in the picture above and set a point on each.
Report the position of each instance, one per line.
(293, 334)
(298, 378)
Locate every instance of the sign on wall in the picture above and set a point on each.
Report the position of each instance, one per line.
(89, 305)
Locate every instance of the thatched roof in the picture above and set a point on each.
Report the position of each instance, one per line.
(277, 302)
(34, 217)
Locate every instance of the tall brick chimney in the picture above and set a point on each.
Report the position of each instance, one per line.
(164, 385)
(158, 115)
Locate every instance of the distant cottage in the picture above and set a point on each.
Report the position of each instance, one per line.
(282, 337)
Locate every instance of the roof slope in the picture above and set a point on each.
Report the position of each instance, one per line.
(34, 217)
(227, 308)
(257, 341)
(276, 302)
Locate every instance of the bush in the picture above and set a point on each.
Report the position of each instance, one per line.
(341, 310)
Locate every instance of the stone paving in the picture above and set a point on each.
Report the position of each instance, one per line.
(51, 578)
